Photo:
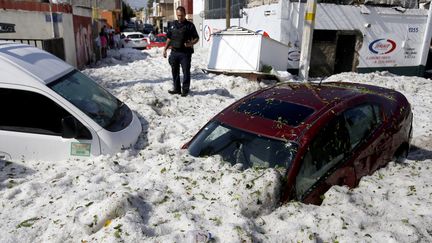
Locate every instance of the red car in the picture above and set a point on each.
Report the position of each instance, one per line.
(317, 135)
(158, 41)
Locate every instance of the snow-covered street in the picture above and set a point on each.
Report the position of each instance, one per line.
(156, 192)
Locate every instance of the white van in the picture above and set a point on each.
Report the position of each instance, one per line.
(51, 111)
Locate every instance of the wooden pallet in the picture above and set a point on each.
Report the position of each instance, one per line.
(253, 75)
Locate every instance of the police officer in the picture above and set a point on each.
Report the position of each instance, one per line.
(181, 36)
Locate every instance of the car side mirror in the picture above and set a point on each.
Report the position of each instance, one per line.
(69, 127)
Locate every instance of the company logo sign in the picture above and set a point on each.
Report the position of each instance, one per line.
(382, 46)
(294, 56)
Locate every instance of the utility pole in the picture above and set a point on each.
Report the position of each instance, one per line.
(306, 46)
(427, 38)
(228, 13)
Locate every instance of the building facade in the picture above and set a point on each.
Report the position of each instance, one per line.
(75, 24)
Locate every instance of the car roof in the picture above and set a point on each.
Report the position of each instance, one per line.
(19, 59)
(305, 101)
(132, 33)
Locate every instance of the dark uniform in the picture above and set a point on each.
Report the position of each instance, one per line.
(179, 33)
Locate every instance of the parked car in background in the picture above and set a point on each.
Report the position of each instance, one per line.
(158, 41)
(148, 28)
(135, 40)
(52, 111)
(132, 25)
(317, 135)
(129, 30)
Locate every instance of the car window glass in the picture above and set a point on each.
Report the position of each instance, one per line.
(360, 122)
(218, 132)
(377, 113)
(89, 97)
(240, 147)
(25, 111)
(135, 36)
(277, 110)
(326, 150)
(160, 39)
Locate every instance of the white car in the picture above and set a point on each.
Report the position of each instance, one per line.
(52, 111)
(134, 40)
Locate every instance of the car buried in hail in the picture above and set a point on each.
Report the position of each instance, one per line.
(316, 135)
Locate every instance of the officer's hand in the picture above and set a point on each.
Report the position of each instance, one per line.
(164, 53)
(188, 43)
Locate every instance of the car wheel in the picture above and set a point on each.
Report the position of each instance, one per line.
(401, 154)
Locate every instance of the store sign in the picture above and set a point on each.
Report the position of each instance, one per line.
(294, 56)
(382, 46)
(7, 28)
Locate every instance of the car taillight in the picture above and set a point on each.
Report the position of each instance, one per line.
(127, 40)
(144, 40)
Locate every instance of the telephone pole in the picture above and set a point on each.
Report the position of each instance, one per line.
(228, 13)
(306, 46)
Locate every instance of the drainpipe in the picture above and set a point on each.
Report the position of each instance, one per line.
(306, 46)
(52, 19)
(427, 37)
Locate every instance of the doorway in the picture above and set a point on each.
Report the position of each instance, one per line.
(345, 50)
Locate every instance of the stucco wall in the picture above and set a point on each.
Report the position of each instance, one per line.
(30, 25)
(390, 37)
(266, 18)
(37, 25)
(68, 37)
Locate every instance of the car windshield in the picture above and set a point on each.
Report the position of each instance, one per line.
(237, 146)
(160, 39)
(89, 97)
(135, 36)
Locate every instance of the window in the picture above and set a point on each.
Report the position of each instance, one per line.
(276, 110)
(215, 9)
(135, 36)
(361, 121)
(97, 103)
(239, 147)
(160, 39)
(334, 142)
(25, 111)
(327, 149)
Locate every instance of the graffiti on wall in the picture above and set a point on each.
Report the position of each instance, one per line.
(7, 28)
(83, 40)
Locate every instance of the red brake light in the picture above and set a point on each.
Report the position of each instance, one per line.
(144, 40)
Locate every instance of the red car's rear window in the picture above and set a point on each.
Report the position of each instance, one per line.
(277, 110)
